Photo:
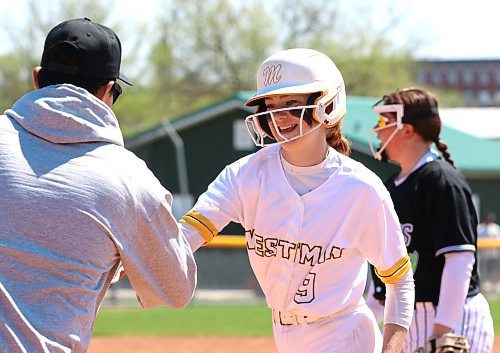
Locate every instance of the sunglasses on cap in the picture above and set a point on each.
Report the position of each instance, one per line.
(116, 91)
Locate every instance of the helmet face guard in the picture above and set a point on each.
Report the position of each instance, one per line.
(258, 125)
(325, 111)
(382, 124)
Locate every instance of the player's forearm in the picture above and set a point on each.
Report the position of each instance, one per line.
(400, 301)
(394, 337)
(398, 312)
(454, 286)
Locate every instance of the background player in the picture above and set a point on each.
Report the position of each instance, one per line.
(74, 202)
(438, 220)
(312, 216)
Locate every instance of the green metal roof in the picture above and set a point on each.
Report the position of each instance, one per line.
(472, 155)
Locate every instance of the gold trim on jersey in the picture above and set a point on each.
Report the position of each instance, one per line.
(395, 272)
(201, 224)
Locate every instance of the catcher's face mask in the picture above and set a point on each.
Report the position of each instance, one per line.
(385, 123)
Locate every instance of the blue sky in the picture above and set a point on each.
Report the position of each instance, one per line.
(452, 29)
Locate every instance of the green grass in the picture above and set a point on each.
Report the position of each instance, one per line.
(495, 312)
(202, 320)
(195, 320)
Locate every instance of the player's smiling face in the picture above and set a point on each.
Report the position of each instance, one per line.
(288, 123)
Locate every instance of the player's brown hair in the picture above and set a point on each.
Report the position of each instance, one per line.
(337, 140)
(421, 111)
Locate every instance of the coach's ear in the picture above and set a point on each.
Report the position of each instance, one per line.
(36, 71)
(105, 94)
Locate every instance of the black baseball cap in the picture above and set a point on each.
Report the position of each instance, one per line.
(84, 49)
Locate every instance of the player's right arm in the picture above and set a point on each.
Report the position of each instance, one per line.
(383, 245)
(398, 277)
(214, 209)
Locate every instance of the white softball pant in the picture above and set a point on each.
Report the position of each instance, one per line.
(476, 324)
(354, 331)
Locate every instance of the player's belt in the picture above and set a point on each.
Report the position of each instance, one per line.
(288, 318)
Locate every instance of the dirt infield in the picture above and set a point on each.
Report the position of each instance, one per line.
(191, 345)
(182, 345)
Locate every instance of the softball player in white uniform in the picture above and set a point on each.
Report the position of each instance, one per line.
(439, 222)
(312, 216)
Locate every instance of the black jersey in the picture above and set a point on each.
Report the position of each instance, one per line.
(434, 206)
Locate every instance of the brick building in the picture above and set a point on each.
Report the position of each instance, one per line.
(477, 80)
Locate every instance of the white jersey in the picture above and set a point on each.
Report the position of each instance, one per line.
(308, 252)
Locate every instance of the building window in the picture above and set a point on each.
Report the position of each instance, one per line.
(468, 77)
(484, 97)
(484, 78)
(452, 78)
(469, 97)
(422, 76)
(436, 78)
(497, 77)
(497, 96)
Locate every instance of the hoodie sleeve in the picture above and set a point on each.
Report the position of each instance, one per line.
(159, 262)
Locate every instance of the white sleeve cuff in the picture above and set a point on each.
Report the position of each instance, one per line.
(454, 287)
(194, 238)
(400, 301)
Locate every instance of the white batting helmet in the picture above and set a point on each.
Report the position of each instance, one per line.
(299, 71)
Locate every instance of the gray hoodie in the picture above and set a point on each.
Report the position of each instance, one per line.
(73, 204)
